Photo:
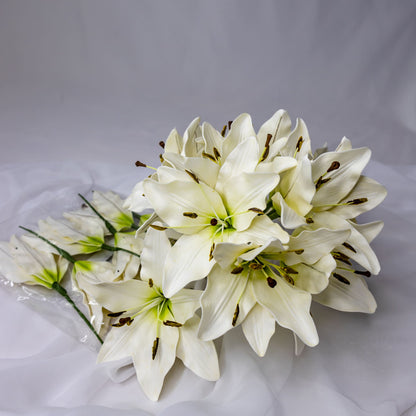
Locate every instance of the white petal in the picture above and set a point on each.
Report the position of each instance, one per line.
(199, 356)
(290, 307)
(315, 244)
(172, 200)
(175, 161)
(188, 260)
(191, 146)
(261, 230)
(341, 180)
(370, 231)
(241, 128)
(365, 188)
(174, 142)
(212, 138)
(278, 126)
(185, 303)
(248, 190)
(120, 296)
(219, 301)
(225, 254)
(205, 169)
(166, 174)
(354, 297)
(289, 218)
(344, 145)
(298, 137)
(155, 250)
(126, 263)
(243, 158)
(278, 165)
(258, 328)
(136, 201)
(313, 278)
(8, 267)
(297, 187)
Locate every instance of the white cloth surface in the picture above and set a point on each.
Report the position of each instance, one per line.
(88, 87)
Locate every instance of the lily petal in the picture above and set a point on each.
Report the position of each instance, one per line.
(278, 126)
(199, 356)
(136, 201)
(188, 260)
(290, 307)
(212, 138)
(219, 301)
(155, 250)
(258, 328)
(289, 217)
(353, 297)
(365, 188)
(342, 179)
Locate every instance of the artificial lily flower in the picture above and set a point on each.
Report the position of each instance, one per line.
(73, 238)
(23, 262)
(110, 206)
(273, 277)
(152, 328)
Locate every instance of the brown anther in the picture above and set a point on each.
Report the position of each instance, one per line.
(300, 251)
(213, 221)
(216, 153)
(123, 321)
(342, 279)
(256, 266)
(190, 214)
(208, 156)
(257, 210)
(138, 163)
(161, 158)
(237, 270)
(115, 314)
(271, 282)
(235, 316)
(158, 227)
(341, 257)
(288, 269)
(269, 138)
(192, 175)
(229, 125)
(349, 247)
(211, 252)
(357, 201)
(150, 282)
(265, 154)
(172, 323)
(162, 144)
(289, 279)
(334, 166)
(299, 144)
(224, 129)
(363, 273)
(84, 206)
(321, 181)
(309, 221)
(155, 347)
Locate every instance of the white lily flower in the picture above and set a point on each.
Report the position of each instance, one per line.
(277, 278)
(23, 262)
(110, 206)
(206, 216)
(154, 329)
(73, 238)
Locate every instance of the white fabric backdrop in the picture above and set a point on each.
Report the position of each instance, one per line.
(88, 87)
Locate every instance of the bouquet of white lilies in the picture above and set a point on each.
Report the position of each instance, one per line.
(235, 227)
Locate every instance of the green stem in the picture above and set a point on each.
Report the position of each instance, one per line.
(111, 248)
(62, 252)
(109, 227)
(62, 291)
